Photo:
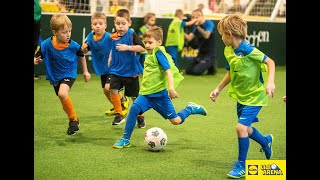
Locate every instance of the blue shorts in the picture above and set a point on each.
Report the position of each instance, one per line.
(162, 105)
(247, 114)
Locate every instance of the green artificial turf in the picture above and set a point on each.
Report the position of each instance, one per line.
(204, 147)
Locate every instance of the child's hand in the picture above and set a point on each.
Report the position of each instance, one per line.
(270, 89)
(284, 98)
(87, 76)
(173, 94)
(37, 60)
(122, 47)
(214, 95)
(84, 47)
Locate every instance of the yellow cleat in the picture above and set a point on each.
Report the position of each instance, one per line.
(109, 112)
(125, 105)
(125, 108)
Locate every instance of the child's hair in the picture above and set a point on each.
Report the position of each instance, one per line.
(58, 21)
(198, 10)
(148, 16)
(178, 12)
(156, 32)
(98, 15)
(234, 24)
(123, 13)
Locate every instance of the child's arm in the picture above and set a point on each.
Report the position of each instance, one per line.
(224, 82)
(86, 73)
(124, 47)
(172, 92)
(271, 71)
(191, 22)
(138, 45)
(81, 58)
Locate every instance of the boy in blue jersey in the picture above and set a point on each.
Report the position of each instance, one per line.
(61, 55)
(247, 86)
(99, 43)
(125, 66)
(160, 78)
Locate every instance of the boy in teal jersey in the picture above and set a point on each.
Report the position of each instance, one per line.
(99, 43)
(61, 55)
(247, 86)
(175, 36)
(125, 66)
(160, 78)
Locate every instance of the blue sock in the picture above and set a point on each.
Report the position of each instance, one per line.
(184, 113)
(243, 144)
(256, 136)
(131, 121)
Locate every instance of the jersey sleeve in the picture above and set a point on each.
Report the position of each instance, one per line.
(163, 61)
(137, 40)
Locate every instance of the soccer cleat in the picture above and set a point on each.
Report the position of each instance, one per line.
(237, 172)
(73, 127)
(118, 119)
(141, 122)
(122, 143)
(268, 149)
(124, 105)
(196, 108)
(110, 112)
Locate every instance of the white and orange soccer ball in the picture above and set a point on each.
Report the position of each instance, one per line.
(155, 139)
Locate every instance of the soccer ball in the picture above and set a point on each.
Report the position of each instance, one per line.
(155, 139)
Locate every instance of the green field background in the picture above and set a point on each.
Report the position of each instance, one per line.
(204, 147)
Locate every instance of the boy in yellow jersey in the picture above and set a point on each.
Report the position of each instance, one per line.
(247, 86)
(175, 36)
(160, 78)
(60, 55)
(99, 43)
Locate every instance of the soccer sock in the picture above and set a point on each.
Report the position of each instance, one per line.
(68, 108)
(184, 113)
(115, 100)
(131, 121)
(256, 136)
(243, 144)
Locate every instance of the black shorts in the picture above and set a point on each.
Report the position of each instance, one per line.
(131, 85)
(67, 81)
(105, 79)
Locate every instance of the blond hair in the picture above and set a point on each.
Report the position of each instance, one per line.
(234, 24)
(156, 32)
(124, 13)
(178, 12)
(148, 16)
(58, 21)
(99, 15)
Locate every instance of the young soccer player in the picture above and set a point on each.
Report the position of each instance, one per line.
(160, 78)
(175, 37)
(61, 55)
(149, 20)
(99, 43)
(125, 67)
(247, 86)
